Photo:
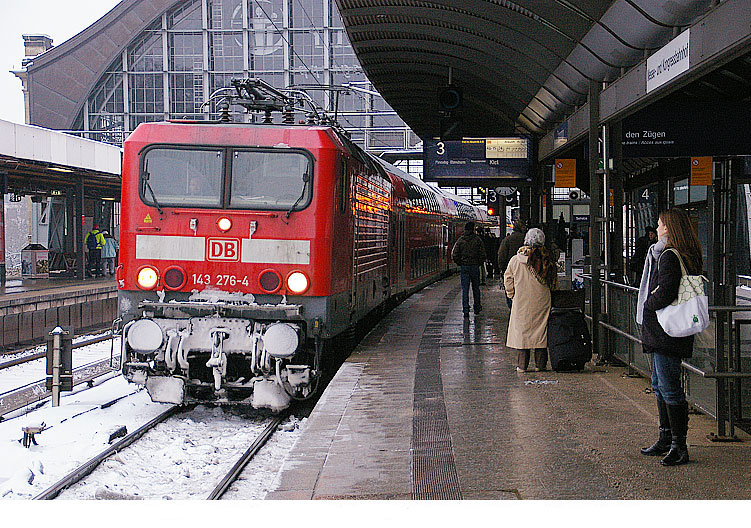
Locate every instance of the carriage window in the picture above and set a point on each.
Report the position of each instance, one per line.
(182, 177)
(270, 180)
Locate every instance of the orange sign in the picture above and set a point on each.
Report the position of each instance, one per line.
(565, 173)
(701, 170)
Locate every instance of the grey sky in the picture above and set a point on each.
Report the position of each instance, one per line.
(58, 19)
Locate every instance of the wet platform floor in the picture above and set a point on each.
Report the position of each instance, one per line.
(429, 406)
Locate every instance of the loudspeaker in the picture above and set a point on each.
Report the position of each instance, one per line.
(450, 98)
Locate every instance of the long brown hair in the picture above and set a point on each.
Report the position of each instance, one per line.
(541, 260)
(682, 237)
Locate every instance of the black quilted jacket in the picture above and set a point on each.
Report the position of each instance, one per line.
(663, 290)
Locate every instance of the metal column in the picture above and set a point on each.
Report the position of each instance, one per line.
(78, 233)
(616, 182)
(3, 186)
(596, 213)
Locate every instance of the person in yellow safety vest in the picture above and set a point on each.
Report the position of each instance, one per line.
(94, 242)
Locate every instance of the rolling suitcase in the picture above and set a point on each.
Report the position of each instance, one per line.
(569, 342)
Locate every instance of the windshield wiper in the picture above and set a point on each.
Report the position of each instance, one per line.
(145, 177)
(305, 179)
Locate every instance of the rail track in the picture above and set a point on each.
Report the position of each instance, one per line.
(36, 391)
(224, 484)
(89, 466)
(40, 355)
(237, 469)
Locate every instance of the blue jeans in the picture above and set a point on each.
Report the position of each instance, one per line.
(666, 379)
(470, 274)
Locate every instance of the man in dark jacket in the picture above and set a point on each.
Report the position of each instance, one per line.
(469, 255)
(509, 247)
(640, 254)
(491, 251)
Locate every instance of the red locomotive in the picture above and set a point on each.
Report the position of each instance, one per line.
(245, 248)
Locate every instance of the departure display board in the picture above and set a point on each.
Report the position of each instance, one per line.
(471, 161)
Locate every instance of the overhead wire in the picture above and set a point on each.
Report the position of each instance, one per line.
(302, 61)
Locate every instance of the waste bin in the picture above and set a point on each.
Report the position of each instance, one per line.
(35, 262)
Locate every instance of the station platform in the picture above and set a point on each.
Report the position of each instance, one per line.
(429, 406)
(29, 308)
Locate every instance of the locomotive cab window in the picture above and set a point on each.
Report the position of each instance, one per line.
(182, 177)
(271, 179)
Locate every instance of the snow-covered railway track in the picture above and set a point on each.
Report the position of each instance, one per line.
(36, 391)
(257, 444)
(182, 457)
(80, 472)
(30, 355)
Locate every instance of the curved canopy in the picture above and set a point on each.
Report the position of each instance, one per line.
(520, 65)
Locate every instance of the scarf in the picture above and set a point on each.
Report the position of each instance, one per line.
(653, 255)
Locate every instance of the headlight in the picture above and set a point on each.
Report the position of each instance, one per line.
(297, 282)
(145, 336)
(147, 278)
(224, 224)
(280, 340)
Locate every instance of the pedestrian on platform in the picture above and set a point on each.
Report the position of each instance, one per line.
(109, 253)
(529, 277)
(483, 273)
(94, 242)
(659, 287)
(491, 251)
(508, 248)
(640, 252)
(469, 254)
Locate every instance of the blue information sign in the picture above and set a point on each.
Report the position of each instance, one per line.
(466, 161)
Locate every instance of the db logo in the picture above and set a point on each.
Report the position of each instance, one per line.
(227, 249)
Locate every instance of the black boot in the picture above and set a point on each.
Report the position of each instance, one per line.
(662, 445)
(678, 453)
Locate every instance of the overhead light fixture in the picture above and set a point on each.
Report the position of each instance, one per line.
(56, 192)
(61, 169)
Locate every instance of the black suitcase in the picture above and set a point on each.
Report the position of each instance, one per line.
(569, 342)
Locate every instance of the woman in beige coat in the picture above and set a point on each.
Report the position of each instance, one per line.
(529, 277)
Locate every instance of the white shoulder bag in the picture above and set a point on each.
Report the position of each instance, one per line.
(689, 313)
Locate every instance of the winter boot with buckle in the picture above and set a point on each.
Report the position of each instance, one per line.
(678, 453)
(662, 446)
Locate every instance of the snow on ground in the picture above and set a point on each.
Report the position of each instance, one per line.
(75, 431)
(186, 457)
(25, 373)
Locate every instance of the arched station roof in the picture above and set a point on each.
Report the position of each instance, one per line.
(521, 65)
(61, 79)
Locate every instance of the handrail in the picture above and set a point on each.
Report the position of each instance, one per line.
(711, 374)
(734, 308)
(611, 283)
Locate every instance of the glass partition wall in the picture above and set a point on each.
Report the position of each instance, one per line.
(198, 46)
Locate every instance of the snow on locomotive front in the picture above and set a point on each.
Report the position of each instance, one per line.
(225, 271)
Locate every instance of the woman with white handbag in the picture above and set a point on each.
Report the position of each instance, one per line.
(675, 258)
